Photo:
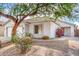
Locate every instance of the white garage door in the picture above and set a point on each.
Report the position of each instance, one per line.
(67, 31)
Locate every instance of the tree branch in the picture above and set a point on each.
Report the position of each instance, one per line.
(33, 12)
(8, 16)
(29, 14)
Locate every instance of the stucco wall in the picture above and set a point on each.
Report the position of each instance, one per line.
(45, 29)
(53, 28)
(72, 31)
(10, 25)
(27, 28)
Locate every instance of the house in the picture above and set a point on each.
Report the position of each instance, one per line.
(8, 29)
(40, 26)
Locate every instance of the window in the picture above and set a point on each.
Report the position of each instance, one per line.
(36, 28)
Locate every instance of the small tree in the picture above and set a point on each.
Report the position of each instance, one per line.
(21, 11)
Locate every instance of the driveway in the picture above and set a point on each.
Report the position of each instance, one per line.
(69, 45)
(68, 38)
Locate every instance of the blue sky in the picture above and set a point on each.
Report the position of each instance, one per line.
(7, 5)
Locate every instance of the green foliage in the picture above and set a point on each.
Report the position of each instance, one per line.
(23, 9)
(46, 9)
(26, 40)
(57, 10)
(28, 35)
(24, 44)
(15, 39)
(45, 37)
(64, 9)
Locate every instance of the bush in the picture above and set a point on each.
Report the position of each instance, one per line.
(28, 35)
(45, 37)
(26, 40)
(24, 44)
(15, 39)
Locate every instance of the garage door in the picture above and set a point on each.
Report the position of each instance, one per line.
(67, 31)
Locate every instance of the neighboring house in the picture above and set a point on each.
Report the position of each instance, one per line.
(41, 26)
(1, 29)
(8, 28)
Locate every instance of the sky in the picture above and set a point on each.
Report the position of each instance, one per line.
(75, 20)
(7, 5)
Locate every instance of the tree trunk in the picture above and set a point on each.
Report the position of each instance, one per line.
(14, 31)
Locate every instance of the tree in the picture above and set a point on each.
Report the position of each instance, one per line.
(21, 11)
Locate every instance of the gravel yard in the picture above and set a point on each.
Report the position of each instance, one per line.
(35, 51)
(57, 48)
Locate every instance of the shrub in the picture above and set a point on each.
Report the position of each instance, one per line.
(15, 39)
(28, 35)
(24, 44)
(45, 37)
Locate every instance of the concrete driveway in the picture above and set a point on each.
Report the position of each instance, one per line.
(68, 45)
(68, 38)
